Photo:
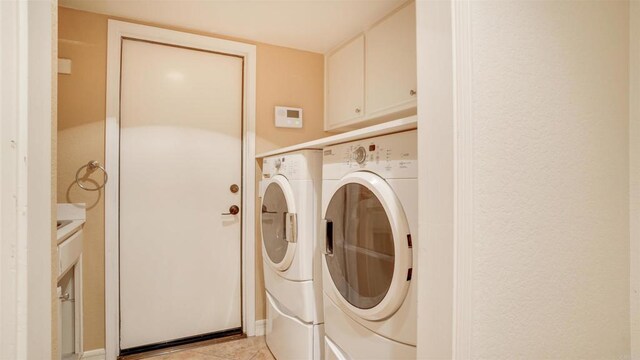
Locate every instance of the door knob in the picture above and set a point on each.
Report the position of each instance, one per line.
(234, 188)
(233, 210)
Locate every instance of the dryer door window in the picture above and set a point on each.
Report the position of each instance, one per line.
(362, 260)
(367, 246)
(275, 214)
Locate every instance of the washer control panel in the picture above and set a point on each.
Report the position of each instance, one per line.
(288, 166)
(391, 156)
(299, 165)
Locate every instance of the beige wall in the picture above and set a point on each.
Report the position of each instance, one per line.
(303, 72)
(550, 116)
(634, 175)
(81, 115)
(54, 180)
(284, 77)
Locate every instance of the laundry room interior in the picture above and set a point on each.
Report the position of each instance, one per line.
(344, 179)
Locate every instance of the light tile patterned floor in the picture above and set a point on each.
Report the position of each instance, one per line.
(251, 348)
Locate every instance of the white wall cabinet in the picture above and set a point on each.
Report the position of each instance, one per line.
(372, 78)
(345, 84)
(391, 64)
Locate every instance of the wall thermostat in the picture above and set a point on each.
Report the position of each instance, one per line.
(288, 117)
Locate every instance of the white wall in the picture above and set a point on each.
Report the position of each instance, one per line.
(540, 118)
(551, 241)
(634, 175)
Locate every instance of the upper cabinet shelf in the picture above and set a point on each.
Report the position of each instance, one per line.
(372, 78)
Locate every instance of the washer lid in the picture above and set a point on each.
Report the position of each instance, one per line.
(279, 223)
(367, 246)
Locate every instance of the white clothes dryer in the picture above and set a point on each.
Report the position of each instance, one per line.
(370, 205)
(290, 214)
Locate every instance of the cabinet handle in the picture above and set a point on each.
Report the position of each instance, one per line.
(358, 110)
(412, 92)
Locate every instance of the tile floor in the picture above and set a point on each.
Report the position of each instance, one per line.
(251, 348)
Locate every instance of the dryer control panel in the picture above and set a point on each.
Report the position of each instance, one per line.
(393, 156)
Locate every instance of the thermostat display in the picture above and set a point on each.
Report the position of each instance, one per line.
(287, 117)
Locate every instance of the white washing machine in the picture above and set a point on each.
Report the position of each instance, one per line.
(370, 206)
(290, 190)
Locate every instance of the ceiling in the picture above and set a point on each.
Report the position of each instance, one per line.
(313, 25)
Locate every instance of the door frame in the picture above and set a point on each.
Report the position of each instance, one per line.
(445, 179)
(28, 48)
(117, 30)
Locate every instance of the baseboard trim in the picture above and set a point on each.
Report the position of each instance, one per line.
(261, 326)
(96, 354)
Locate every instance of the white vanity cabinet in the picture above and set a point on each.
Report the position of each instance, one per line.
(345, 84)
(70, 291)
(372, 78)
(70, 234)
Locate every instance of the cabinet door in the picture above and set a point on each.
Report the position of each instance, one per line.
(391, 63)
(345, 84)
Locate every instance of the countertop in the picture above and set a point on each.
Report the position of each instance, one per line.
(75, 214)
(404, 124)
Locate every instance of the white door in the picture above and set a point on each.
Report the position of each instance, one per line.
(180, 152)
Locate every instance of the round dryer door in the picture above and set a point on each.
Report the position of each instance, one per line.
(279, 223)
(368, 246)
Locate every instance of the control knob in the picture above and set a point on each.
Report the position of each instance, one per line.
(278, 163)
(360, 155)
